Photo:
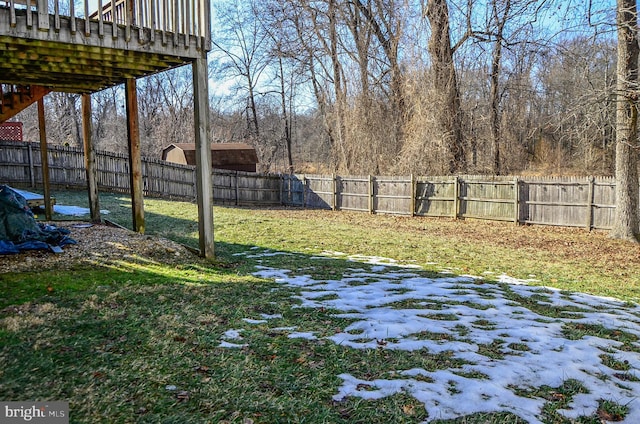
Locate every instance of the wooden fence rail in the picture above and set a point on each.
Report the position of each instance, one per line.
(587, 202)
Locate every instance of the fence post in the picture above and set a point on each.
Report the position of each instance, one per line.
(281, 191)
(516, 194)
(334, 192)
(237, 191)
(456, 194)
(591, 182)
(371, 194)
(32, 177)
(413, 195)
(304, 191)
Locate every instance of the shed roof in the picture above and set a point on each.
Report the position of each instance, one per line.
(223, 155)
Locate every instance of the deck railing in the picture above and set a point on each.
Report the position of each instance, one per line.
(166, 19)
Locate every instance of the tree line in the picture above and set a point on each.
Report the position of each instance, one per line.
(394, 86)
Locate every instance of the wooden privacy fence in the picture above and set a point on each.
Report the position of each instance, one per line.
(587, 202)
(565, 201)
(20, 165)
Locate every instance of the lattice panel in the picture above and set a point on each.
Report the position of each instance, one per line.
(11, 131)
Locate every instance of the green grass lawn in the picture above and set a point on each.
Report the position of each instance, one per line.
(140, 342)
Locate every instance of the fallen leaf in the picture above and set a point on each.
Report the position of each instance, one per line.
(606, 416)
(409, 409)
(202, 369)
(183, 396)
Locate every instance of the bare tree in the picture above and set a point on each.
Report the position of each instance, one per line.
(445, 83)
(626, 222)
(165, 110)
(286, 70)
(241, 48)
(500, 18)
(386, 20)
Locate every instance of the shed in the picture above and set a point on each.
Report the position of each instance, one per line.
(231, 156)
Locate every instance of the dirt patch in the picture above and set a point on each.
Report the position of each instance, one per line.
(98, 244)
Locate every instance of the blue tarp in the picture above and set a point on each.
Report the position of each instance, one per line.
(19, 230)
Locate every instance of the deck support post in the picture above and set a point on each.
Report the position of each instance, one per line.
(90, 160)
(44, 159)
(204, 182)
(135, 160)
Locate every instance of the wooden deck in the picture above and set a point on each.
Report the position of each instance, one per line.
(85, 51)
(50, 45)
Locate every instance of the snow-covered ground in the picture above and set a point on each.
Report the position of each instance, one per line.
(394, 308)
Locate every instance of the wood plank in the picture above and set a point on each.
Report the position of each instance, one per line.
(135, 161)
(44, 159)
(203, 157)
(90, 160)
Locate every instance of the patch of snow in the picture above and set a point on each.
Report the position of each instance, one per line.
(232, 335)
(254, 321)
(231, 345)
(534, 349)
(75, 210)
(302, 335)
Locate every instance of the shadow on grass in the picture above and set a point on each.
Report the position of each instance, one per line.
(140, 341)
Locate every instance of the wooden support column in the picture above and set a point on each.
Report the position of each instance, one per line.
(135, 160)
(44, 160)
(204, 183)
(90, 160)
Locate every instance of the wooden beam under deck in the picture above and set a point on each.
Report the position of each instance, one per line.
(76, 68)
(82, 61)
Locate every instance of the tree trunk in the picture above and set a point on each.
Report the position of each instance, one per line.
(445, 84)
(285, 118)
(341, 97)
(626, 223)
(496, 59)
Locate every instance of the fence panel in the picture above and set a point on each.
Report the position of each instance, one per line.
(604, 203)
(494, 199)
(225, 187)
(174, 181)
(353, 194)
(557, 201)
(66, 166)
(113, 172)
(293, 190)
(258, 188)
(436, 196)
(15, 162)
(319, 191)
(393, 195)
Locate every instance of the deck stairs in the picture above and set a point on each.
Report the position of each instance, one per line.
(15, 98)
